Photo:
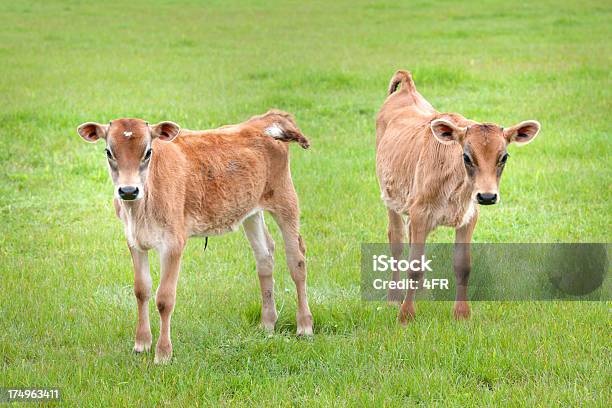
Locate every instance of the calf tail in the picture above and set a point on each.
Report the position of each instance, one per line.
(287, 134)
(400, 80)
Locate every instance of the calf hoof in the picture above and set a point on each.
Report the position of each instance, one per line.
(163, 354)
(461, 311)
(140, 347)
(268, 328)
(406, 313)
(143, 343)
(268, 321)
(304, 325)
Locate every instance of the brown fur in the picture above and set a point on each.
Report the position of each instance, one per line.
(422, 175)
(204, 183)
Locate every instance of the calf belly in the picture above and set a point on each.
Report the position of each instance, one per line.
(201, 228)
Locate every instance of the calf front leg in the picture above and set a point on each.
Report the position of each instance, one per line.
(166, 298)
(462, 265)
(295, 250)
(142, 291)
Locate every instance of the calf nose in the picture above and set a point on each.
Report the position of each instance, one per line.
(486, 198)
(128, 192)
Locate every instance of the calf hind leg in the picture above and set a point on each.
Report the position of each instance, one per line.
(263, 249)
(396, 235)
(295, 249)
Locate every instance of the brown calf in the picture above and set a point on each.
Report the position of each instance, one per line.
(172, 184)
(435, 167)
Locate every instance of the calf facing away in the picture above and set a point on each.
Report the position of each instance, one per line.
(435, 168)
(172, 184)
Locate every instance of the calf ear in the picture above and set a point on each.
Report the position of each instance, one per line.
(165, 131)
(92, 131)
(447, 132)
(522, 133)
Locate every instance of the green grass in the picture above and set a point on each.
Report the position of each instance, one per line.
(67, 313)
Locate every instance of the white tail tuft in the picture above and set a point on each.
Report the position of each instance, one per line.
(288, 134)
(275, 131)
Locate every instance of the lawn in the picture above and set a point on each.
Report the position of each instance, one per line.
(67, 312)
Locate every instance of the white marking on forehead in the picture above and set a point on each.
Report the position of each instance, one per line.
(127, 134)
(275, 131)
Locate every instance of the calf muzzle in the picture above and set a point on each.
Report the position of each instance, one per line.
(486, 198)
(128, 193)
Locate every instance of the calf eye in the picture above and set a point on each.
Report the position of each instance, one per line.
(467, 160)
(148, 154)
(109, 156)
(502, 161)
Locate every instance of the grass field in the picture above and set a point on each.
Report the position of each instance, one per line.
(67, 312)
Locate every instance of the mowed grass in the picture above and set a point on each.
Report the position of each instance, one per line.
(67, 313)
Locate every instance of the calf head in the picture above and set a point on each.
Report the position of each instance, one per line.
(128, 150)
(484, 151)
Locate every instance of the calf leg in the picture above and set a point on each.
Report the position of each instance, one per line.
(395, 234)
(142, 291)
(295, 250)
(263, 249)
(166, 298)
(462, 266)
(419, 229)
